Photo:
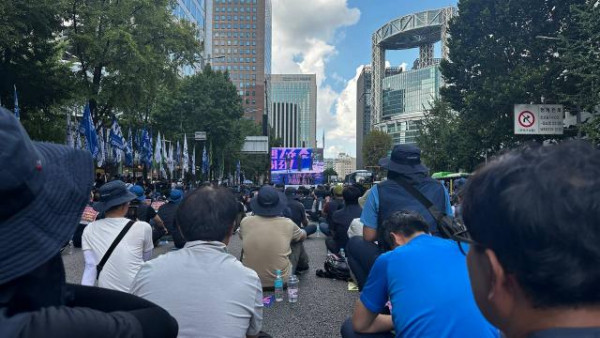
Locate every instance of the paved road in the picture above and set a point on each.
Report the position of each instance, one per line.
(323, 303)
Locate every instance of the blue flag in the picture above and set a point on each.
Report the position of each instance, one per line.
(129, 150)
(17, 114)
(116, 136)
(86, 127)
(205, 166)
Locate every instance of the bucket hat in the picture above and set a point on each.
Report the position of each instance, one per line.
(405, 159)
(269, 202)
(175, 196)
(112, 194)
(44, 188)
(139, 192)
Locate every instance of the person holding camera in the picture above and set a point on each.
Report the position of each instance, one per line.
(132, 241)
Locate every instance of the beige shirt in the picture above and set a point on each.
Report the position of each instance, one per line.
(266, 244)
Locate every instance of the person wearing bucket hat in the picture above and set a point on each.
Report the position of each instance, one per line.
(129, 254)
(270, 241)
(44, 188)
(404, 165)
(167, 213)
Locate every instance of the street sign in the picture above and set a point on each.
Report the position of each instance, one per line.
(256, 145)
(200, 136)
(539, 119)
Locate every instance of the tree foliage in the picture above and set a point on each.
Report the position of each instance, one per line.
(125, 51)
(329, 172)
(497, 60)
(376, 145)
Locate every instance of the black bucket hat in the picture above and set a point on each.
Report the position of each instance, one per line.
(112, 194)
(44, 188)
(269, 202)
(405, 159)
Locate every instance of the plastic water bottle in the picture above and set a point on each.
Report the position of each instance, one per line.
(343, 254)
(278, 286)
(292, 289)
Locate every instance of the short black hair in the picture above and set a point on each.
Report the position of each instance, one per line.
(538, 209)
(404, 222)
(207, 214)
(351, 195)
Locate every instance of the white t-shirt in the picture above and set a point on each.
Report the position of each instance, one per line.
(127, 258)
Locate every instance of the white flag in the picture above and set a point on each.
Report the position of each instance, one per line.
(186, 155)
(194, 162)
(101, 158)
(158, 153)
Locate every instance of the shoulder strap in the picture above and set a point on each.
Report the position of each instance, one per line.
(445, 223)
(112, 247)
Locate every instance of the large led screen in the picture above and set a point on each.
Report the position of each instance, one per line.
(296, 166)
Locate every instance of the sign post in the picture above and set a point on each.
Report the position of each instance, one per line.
(539, 119)
(200, 136)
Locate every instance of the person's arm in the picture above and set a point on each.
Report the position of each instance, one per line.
(369, 216)
(89, 272)
(257, 315)
(365, 321)
(299, 234)
(159, 222)
(148, 243)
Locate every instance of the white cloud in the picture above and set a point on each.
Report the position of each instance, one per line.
(304, 36)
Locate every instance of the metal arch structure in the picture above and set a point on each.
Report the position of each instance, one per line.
(418, 30)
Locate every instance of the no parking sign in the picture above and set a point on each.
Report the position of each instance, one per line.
(539, 119)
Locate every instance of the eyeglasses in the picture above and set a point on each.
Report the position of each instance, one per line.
(459, 233)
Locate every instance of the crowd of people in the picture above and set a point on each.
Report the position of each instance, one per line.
(515, 254)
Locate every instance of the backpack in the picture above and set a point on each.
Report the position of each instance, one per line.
(335, 267)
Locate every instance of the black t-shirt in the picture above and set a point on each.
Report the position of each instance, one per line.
(145, 212)
(341, 222)
(295, 211)
(333, 206)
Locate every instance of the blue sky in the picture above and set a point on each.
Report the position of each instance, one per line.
(332, 38)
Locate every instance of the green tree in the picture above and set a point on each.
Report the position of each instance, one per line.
(209, 102)
(125, 51)
(377, 144)
(30, 59)
(439, 138)
(329, 172)
(497, 60)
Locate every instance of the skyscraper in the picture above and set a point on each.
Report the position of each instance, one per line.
(192, 11)
(238, 40)
(293, 109)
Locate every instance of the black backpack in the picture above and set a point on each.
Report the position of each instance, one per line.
(336, 267)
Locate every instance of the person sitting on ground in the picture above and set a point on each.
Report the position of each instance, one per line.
(44, 188)
(404, 167)
(533, 217)
(330, 207)
(146, 213)
(342, 219)
(167, 212)
(208, 291)
(270, 241)
(134, 248)
(425, 279)
(295, 211)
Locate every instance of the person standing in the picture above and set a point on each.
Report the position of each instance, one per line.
(44, 188)
(167, 213)
(129, 254)
(208, 291)
(270, 241)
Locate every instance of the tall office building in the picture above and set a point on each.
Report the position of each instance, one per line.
(293, 109)
(363, 108)
(192, 11)
(398, 102)
(238, 40)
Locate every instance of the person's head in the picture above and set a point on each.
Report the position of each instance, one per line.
(533, 214)
(207, 214)
(138, 191)
(290, 192)
(338, 191)
(114, 199)
(405, 159)
(175, 196)
(269, 202)
(402, 226)
(351, 195)
(44, 188)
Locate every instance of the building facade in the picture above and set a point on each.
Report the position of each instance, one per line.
(293, 109)
(192, 11)
(399, 102)
(344, 165)
(238, 40)
(363, 108)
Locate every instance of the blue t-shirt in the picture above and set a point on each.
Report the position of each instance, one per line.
(428, 285)
(369, 212)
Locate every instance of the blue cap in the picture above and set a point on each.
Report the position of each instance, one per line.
(139, 192)
(176, 196)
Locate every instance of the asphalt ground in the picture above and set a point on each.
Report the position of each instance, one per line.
(323, 304)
